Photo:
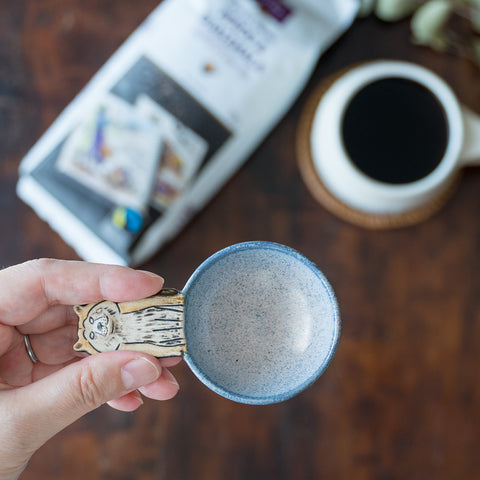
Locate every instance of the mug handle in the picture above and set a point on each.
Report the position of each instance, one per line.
(153, 325)
(470, 154)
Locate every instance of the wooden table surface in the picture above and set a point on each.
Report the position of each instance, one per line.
(402, 396)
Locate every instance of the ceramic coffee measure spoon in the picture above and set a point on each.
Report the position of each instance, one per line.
(257, 323)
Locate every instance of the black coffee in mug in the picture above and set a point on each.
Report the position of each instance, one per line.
(395, 131)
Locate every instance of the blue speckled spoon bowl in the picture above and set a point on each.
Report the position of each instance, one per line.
(261, 323)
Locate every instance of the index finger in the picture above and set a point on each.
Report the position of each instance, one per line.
(28, 289)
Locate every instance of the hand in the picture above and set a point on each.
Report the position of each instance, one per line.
(37, 400)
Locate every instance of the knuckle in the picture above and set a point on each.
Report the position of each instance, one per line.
(41, 269)
(89, 390)
(39, 264)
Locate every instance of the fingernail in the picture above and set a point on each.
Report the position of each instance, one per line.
(169, 378)
(137, 395)
(139, 372)
(150, 274)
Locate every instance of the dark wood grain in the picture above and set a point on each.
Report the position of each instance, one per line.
(402, 396)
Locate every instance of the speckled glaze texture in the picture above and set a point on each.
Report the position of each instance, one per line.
(261, 322)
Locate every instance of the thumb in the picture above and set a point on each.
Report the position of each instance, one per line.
(43, 408)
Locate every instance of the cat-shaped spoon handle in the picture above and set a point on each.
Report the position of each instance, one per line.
(153, 325)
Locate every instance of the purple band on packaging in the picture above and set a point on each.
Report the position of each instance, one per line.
(275, 8)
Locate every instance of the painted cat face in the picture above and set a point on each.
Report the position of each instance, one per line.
(99, 326)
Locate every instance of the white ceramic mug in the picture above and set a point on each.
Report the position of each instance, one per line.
(361, 192)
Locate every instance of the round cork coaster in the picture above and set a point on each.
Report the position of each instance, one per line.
(321, 193)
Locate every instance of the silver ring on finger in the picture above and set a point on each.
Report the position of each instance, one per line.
(29, 349)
